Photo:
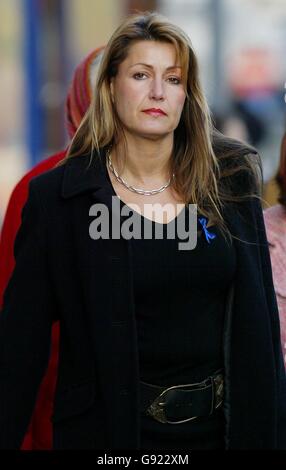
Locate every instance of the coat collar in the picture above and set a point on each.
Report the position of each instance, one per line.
(85, 173)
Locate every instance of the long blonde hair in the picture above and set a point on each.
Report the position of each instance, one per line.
(194, 161)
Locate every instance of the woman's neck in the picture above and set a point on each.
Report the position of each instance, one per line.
(146, 161)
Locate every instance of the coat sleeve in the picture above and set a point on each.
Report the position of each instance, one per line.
(25, 325)
(248, 182)
(274, 318)
(255, 184)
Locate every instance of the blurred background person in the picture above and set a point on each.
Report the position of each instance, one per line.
(39, 435)
(275, 222)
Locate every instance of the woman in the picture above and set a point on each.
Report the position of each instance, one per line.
(39, 434)
(275, 222)
(160, 347)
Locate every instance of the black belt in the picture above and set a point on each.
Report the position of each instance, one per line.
(181, 403)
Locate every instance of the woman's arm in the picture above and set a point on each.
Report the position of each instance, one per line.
(247, 184)
(25, 325)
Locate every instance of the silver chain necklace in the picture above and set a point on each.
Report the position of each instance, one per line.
(131, 188)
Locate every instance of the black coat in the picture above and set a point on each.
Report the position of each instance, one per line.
(63, 274)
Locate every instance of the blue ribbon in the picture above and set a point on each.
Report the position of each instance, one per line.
(209, 236)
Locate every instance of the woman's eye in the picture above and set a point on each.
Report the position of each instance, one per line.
(175, 80)
(142, 76)
(139, 75)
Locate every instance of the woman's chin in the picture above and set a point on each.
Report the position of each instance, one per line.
(152, 133)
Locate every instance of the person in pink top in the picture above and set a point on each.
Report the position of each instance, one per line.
(275, 222)
(39, 434)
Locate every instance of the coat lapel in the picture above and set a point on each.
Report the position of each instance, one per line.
(106, 279)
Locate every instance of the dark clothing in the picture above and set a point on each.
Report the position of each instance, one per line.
(179, 327)
(62, 273)
(180, 323)
(179, 299)
(204, 433)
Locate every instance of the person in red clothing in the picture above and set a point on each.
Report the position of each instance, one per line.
(39, 434)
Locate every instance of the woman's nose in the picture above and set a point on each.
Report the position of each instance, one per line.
(157, 90)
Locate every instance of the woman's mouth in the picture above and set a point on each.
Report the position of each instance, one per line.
(154, 112)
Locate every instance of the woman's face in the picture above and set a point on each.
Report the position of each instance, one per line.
(149, 79)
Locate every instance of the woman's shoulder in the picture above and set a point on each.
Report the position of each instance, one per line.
(52, 180)
(224, 145)
(48, 181)
(48, 188)
(239, 164)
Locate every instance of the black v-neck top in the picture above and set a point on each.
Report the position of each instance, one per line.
(179, 300)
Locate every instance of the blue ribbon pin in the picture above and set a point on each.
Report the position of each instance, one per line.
(209, 236)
